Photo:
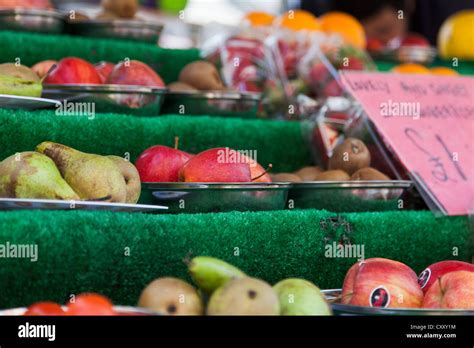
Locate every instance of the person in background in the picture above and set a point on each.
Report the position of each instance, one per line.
(382, 20)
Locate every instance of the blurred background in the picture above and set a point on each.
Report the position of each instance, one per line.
(202, 18)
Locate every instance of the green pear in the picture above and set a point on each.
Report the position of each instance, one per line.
(19, 80)
(92, 177)
(244, 296)
(33, 175)
(301, 297)
(131, 176)
(210, 273)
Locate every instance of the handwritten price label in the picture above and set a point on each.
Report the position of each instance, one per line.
(429, 123)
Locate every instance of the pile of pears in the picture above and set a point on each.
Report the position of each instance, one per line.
(19, 80)
(229, 291)
(56, 171)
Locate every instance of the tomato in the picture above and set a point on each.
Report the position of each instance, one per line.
(90, 304)
(44, 308)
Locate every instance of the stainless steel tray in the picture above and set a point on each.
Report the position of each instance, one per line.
(53, 204)
(117, 29)
(408, 54)
(121, 310)
(183, 197)
(41, 21)
(215, 103)
(134, 100)
(348, 196)
(28, 103)
(333, 297)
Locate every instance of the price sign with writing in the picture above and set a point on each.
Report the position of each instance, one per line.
(429, 123)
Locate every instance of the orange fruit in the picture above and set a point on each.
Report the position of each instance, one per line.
(347, 26)
(298, 20)
(442, 70)
(411, 68)
(257, 18)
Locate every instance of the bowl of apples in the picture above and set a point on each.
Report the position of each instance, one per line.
(379, 286)
(215, 180)
(129, 87)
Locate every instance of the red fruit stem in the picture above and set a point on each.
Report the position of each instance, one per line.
(270, 166)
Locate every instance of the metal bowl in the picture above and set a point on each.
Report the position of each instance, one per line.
(41, 21)
(55, 204)
(181, 197)
(408, 54)
(333, 296)
(117, 29)
(134, 100)
(348, 196)
(214, 103)
(121, 310)
(28, 103)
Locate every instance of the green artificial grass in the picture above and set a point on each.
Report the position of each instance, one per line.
(86, 251)
(31, 48)
(276, 142)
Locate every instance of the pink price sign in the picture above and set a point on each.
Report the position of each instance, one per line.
(428, 121)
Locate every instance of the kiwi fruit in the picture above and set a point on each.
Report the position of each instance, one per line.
(78, 16)
(171, 296)
(180, 87)
(201, 75)
(308, 173)
(333, 175)
(122, 8)
(244, 296)
(107, 15)
(350, 156)
(369, 173)
(285, 177)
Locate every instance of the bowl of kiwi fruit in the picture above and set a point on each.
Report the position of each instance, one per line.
(200, 90)
(46, 21)
(348, 184)
(118, 19)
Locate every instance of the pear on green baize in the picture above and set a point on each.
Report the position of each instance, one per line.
(210, 273)
(19, 80)
(301, 297)
(33, 175)
(93, 177)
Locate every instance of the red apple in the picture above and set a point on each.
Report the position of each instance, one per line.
(431, 273)
(161, 164)
(381, 282)
(353, 63)
(35, 4)
(257, 172)
(73, 70)
(318, 73)
(42, 68)
(374, 45)
(415, 40)
(332, 89)
(134, 73)
(216, 165)
(247, 86)
(104, 69)
(454, 290)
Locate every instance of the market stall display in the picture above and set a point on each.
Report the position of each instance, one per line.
(252, 161)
